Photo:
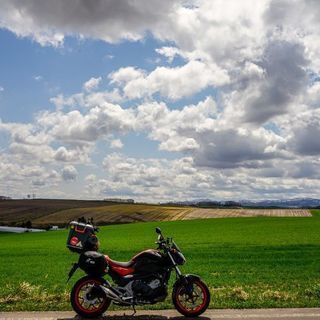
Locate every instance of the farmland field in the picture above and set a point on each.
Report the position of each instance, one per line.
(44, 212)
(17, 211)
(252, 262)
(126, 213)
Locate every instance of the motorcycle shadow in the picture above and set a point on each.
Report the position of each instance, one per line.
(140, 317)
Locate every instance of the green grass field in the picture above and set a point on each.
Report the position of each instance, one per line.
(251, 262)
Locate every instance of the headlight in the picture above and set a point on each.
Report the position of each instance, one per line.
(178, 257)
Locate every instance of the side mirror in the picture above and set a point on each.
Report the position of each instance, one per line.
(158, 230)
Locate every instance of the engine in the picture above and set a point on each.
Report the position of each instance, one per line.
(150, 290)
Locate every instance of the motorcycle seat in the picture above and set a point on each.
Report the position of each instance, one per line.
(121, 264)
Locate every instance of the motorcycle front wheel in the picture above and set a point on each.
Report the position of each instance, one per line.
(85, 302)
(191, 301)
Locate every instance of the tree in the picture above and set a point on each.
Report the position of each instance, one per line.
(28, 224)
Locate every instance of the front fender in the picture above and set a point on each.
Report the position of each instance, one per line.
(186, 281)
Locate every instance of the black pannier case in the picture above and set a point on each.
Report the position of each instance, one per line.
(93, 263)
(79, 235)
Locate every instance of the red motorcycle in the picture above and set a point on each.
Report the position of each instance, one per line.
(142, 280)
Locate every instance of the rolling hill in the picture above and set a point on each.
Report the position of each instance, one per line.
(44, 212)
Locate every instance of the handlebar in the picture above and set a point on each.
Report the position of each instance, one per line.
(162, 242)
(160, 236)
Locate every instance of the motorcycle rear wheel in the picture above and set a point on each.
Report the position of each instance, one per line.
(194, 303)
(85, 304)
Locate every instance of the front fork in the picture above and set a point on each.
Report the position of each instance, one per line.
(175, 266)
(186, 280)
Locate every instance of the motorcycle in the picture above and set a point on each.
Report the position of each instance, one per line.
(140, 281)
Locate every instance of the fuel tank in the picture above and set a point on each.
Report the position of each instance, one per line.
(149, 261)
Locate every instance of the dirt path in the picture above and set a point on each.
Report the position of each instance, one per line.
(251, 314)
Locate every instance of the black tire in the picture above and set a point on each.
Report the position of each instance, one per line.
(79, 304)
(179, 291)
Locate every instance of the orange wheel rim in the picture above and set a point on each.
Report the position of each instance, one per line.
(84, 302)
(194, 301)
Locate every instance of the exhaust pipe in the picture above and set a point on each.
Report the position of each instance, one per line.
(112, 295)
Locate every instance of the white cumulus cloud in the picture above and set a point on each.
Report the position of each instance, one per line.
(92, 84)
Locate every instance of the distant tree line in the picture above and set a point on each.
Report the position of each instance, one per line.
(217, 204)
(27, 224)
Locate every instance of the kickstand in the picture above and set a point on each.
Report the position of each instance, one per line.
(134, 310)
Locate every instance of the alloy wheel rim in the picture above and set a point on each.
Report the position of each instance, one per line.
(194, 301)
(87, 304)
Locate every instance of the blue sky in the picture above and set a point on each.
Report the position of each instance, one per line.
(159, 102)
(62, 70)
(39, 73)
